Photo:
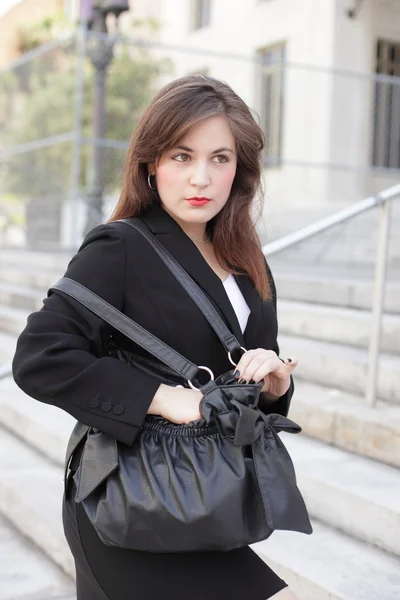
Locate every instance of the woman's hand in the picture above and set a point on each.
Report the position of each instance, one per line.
(177, 404)
(260, 364)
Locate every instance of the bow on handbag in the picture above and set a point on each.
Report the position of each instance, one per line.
(276, 476)
(241, 419)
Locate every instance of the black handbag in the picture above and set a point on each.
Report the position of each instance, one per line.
(218, 483)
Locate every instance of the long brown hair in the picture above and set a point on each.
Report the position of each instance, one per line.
(167, 119)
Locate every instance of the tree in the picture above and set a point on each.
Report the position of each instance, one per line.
(39, 103)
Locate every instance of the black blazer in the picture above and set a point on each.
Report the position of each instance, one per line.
(60, 357)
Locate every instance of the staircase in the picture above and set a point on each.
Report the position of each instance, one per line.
(26, 573)
(347, 458)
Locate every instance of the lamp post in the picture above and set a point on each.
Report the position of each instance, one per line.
(100, 52)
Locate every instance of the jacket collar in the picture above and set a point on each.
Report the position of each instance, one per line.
(173, 238)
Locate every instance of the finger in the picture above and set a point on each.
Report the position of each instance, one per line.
(243, 363)
(247, 358)
(271, 366)
(249, 365)
(260, 363)
(281, 373)
(291, 362)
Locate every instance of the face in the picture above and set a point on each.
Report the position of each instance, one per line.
(194, 179)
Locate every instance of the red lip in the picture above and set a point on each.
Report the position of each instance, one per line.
(198, 198)
(198, 201)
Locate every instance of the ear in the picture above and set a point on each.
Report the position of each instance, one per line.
(151, 168)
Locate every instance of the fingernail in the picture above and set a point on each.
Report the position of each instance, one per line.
(251, 381)
(236, 374)
(242, 381)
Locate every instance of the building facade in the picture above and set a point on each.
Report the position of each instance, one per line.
(308, 68)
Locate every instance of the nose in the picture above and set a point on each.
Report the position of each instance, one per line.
(200, 176)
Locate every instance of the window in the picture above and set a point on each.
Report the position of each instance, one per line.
(386, 129)
(202, 13)
(271, 98)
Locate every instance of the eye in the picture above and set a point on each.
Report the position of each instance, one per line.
(181, 157)
(221, 159)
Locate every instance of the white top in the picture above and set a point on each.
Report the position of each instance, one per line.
(237, 300)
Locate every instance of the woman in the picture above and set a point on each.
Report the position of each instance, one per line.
(192, 172)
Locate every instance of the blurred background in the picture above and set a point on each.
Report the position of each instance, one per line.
(323, 79)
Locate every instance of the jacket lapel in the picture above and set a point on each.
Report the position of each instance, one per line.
(173, 238)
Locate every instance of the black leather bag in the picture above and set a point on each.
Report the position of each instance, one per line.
(218, 483)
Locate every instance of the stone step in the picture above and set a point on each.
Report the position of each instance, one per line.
(31, 489)
(356, 495)
(301, 319)
(342, 420)
(26, 573)
(342, 367)
(7, 347)
(43, 426)
(335, 289)
(330, 477)
(56, 261)
(336, 324)
(24, 298)
(33, 278)
(12, 320)
(346, 245)
(320, 284)
(316, 566)
(329, 565)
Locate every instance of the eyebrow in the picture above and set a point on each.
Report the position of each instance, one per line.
(187, 149)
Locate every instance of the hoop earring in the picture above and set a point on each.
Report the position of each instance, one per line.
(149, 182)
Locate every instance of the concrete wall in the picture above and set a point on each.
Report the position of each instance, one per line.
(351, 127)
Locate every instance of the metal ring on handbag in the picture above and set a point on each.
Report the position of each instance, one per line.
(204, 369)
(230, 356)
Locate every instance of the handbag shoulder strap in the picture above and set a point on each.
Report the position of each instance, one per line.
(129, 328)
(194, 291)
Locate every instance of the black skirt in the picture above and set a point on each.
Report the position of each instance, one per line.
(110, 573)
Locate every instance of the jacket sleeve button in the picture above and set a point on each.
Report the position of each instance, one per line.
(93, 402)
(106, 406)
(118, 410)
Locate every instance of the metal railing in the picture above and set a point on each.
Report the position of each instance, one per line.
(381, 200)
